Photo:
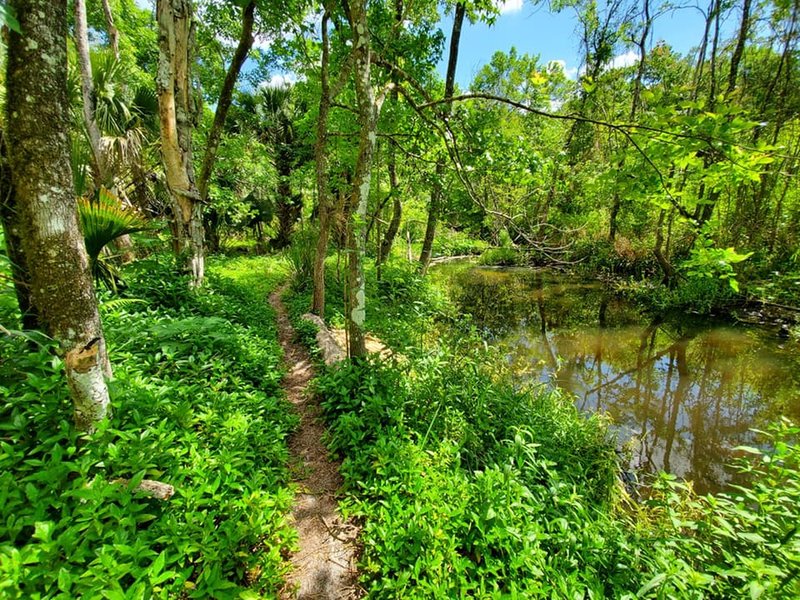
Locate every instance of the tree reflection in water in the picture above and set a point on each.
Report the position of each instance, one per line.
(683, 391)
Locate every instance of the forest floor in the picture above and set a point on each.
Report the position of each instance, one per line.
(324, 565)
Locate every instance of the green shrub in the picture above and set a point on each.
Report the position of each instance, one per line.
(502, 257)
(196, 405)
(300, 255)
(470, 487)
(450, 242)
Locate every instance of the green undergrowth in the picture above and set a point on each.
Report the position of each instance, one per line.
(197, 405)
(403, 305)
(468, 487)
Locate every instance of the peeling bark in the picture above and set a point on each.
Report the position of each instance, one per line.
(38, 121)
(175, 36)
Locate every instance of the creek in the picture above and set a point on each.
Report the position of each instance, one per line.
(682, 390)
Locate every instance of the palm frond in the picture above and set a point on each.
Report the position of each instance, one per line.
(102, 221)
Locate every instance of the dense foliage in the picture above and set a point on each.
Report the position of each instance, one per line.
(325, 125)
(196, 405)
(470, 487)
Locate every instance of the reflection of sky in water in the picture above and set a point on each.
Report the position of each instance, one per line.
(685, 391)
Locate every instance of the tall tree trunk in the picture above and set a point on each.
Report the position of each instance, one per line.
(226, 98)
(367, 120)
(13, 236)
(211, 222)
(321, 167)
(99, 174)
(173, 82)
(397, 207)
(37, 116)
(385, 245)
(738, 51)
(102, 173)
(113, 32)
(635, 102)
(437, 192)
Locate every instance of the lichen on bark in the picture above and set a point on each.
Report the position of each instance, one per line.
(37, 117)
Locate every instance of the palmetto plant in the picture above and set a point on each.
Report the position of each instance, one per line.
(104, 219)
(278, 110)
(126, 117)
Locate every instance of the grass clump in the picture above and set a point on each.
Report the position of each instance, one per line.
(196, 405)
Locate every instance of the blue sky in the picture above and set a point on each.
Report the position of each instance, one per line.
(553, 36)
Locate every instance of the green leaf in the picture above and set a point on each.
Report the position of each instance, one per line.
(158, 564)
(652, 584)
(9, 19)
(64, 579)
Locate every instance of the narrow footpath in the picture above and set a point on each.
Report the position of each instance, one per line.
(325, 563)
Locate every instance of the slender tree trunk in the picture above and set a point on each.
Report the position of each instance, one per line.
(87, 91)
(211, 222)
(321, 167)
(437, 193)
(173, 82)
(385, 245)
(658, 250)
(37, 116)
(367, 119)
(102, 173)
(635, 101)
(738, 51)
(397, 205)
(13, 237)
(113, 32)
(226, 98)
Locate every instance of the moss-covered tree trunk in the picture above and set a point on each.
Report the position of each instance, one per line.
(37, 117)
(173, 83)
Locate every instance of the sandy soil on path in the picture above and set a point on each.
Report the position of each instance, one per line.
(325, 563)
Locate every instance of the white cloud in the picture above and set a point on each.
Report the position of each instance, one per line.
(624, 60)
(508, 6)
(280, 80)
(145, 4)
(569, 72)
(262, 42)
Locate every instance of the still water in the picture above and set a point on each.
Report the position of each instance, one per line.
(682, 391)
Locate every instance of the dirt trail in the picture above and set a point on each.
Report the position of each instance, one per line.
(324, 565)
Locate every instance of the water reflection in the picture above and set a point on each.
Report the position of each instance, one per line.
(683, 391)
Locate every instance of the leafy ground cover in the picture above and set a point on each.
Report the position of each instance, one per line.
(197, 405)
(470, 487)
